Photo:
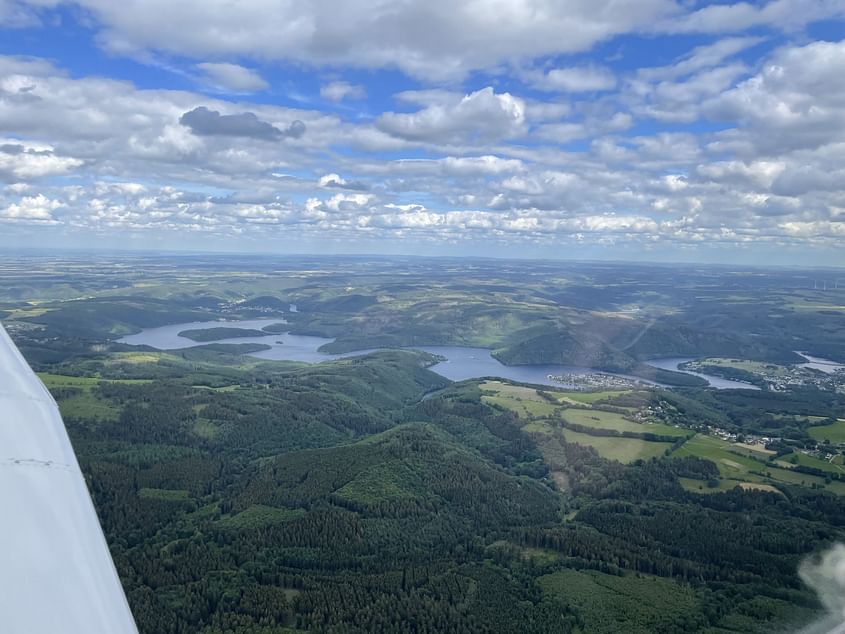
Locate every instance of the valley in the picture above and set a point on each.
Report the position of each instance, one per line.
(403, 461)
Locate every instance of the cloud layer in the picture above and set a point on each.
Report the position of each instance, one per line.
(736, 139)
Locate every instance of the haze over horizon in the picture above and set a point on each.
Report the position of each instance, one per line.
(656, 131)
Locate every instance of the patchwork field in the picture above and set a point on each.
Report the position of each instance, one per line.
(834, 433)
(730, 464)
(522, 408)
(818, 463)
(518, 392)
(598, 419)
(747, 471)
(78, 397)
(621, 449)
(754, 451)
(755, 367)
(523, 401)
(588, 398)
(794, 477)
(528, 403)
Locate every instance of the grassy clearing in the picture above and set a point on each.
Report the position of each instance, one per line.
(585, 398)
(621, 449)
(538, 427)
(632, 604)
(537, 556)
(511, 391)
(171, 495)
(540, 556)
(755, 367)
(87, 406)
(204, 428)
(258, 516)
(818, 463)
(588, 398)
(782, 416)
(82, 382)
(82, 402)
(520, 407)
(225, 388)
(755, 451)
(136, 357)
(60, 380)
(23, 313)
(548, 438)
(834, 433)
(730, 464)
(756, 486)
(384, 481)
(290, 595)
(523, 401)
(598, 419)
(148, 454)
(700, 486)
(793, 477)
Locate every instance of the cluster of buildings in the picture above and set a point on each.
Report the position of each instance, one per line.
(746, 439)
(782, 378)
(594, 380)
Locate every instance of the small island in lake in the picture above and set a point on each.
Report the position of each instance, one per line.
(277, 329)
(216, 334)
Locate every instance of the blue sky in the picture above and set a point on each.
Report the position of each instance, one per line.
(653, 130)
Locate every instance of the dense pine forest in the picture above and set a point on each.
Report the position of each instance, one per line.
(334, 499)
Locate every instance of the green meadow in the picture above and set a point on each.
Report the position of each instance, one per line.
(599, 419)
(834, 433)
(617, 448)
(77, 397)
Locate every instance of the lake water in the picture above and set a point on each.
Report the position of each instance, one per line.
(819, 363)
(167, 337)
(461, 362)
(471, 363)
(293, 347)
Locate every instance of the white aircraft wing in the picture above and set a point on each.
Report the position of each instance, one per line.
(56, 573)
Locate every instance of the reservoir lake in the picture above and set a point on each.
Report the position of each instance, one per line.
(818, 363)
(460, 362)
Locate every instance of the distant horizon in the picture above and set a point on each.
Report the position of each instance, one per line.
(93, 251)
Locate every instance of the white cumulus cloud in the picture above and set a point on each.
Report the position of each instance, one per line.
(576, 79)
(339, 90)
(231, 77)
(483, 115)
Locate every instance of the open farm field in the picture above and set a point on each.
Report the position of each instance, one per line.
(598, 419)
(616, 448)
(834, 433)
